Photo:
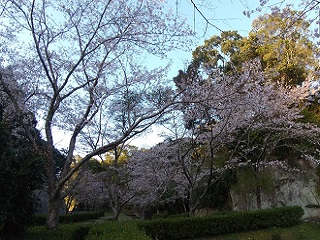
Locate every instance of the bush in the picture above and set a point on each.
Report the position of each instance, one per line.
(98, 231)
(70, 218)
(195, 227)
(64, 232)
(80, 217)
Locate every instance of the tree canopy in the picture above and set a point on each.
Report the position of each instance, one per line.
(281, 40)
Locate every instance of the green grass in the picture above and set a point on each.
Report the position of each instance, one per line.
(123, 230)
(303, 231)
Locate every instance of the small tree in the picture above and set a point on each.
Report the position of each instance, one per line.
(116, 179)
(104, 182)
(153, 176)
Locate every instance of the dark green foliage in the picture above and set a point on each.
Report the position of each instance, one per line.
(79, 217)
(99, 231)
(81, 232)
(172, 228)
(65, 232)
(218, 194)
(20, 174)
(196, 227)
(70, 218)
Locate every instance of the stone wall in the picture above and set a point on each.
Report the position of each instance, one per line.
(290, 189)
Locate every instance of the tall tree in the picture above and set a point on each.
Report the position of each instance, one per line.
(235, 107)
(75, 57)
(220, 52)
(281, 40)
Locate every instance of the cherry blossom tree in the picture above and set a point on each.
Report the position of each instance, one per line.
(154, 175)
(81, 65)
(257, 144)
(74, 58)
(104, 182)
(89, 192)
(116, 178)
(232, 108)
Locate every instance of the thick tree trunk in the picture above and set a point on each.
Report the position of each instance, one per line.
(53, 213)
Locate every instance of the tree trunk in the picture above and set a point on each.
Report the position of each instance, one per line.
(116, 215)
(258, 196)
(53, 213)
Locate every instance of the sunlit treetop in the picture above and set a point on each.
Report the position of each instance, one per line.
(281, 40)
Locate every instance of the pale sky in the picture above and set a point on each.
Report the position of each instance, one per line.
(223, 14)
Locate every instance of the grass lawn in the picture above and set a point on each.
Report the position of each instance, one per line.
(303, 231)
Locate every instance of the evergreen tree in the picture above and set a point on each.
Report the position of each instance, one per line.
(21, 172)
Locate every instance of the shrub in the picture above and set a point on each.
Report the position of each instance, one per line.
(184, 228)
(39, 219)
(64, 232)
(80, 217)
(70, 218)
(99, 231)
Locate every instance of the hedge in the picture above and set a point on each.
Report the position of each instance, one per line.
(69, 218)
(123, 230)
(196, 227)
(64, 232)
